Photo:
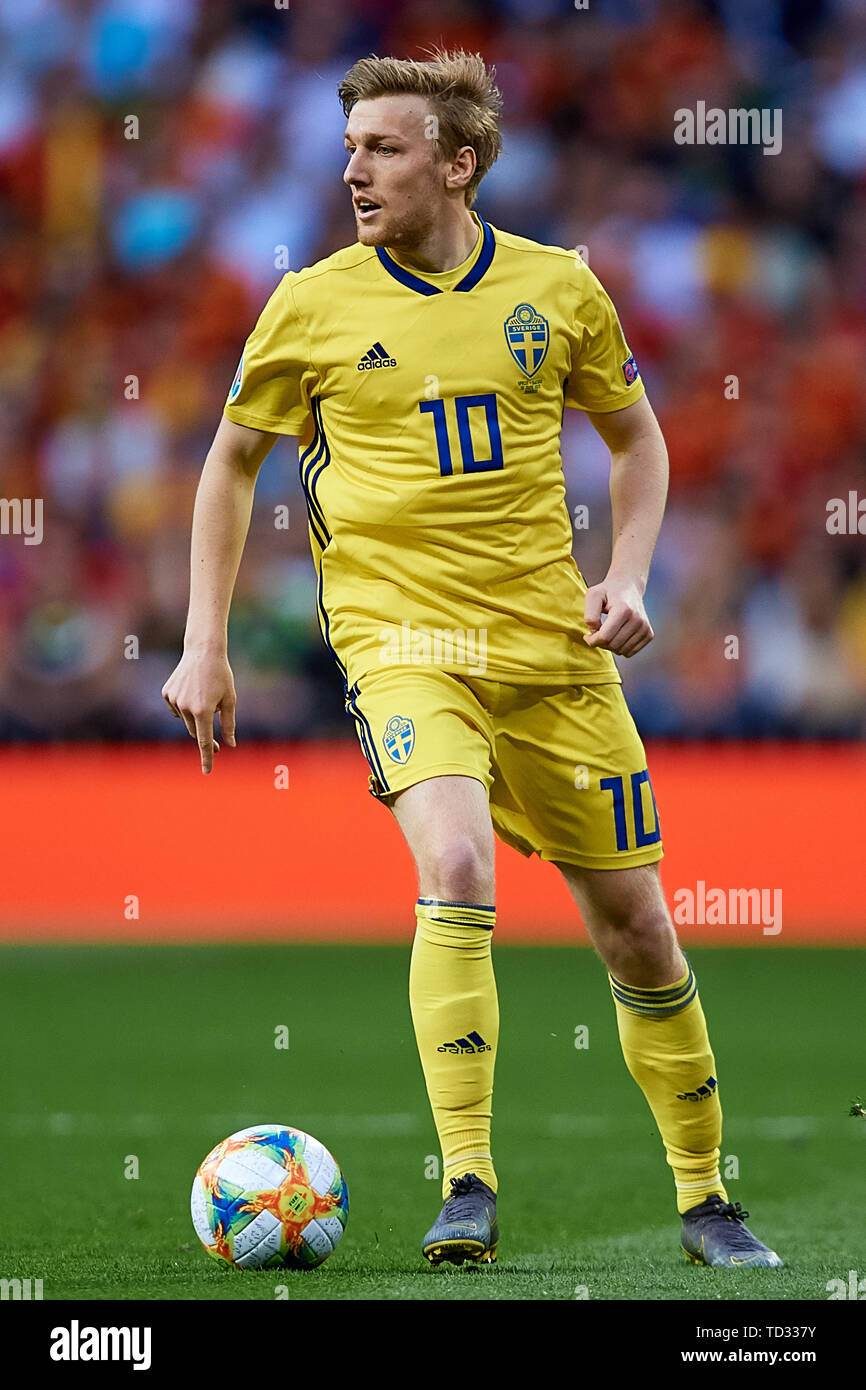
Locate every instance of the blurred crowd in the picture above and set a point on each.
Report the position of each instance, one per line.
(156, 155)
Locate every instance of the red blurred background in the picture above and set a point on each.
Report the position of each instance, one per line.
(155, 851)
(160, 163)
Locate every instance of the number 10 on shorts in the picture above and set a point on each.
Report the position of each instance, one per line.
(642, 836)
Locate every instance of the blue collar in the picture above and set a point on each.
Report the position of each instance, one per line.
(469, 281)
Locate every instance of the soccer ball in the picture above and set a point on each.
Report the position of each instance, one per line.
(269, 1197)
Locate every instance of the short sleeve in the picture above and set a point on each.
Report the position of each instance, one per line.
(604, 375)
(272, 385)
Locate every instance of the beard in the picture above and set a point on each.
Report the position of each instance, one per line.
(403, 231)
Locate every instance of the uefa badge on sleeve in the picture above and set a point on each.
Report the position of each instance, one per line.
(238, 381)
(630, 371)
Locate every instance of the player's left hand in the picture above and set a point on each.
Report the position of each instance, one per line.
(626, 627)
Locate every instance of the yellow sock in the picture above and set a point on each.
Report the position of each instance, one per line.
(667, 1050)
(455, 1012)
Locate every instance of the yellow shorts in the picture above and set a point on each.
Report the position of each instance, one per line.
(563, 766)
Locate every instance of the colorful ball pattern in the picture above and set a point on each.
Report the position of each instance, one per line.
(270, 1197)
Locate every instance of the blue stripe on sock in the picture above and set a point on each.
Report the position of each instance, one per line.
(445, 902)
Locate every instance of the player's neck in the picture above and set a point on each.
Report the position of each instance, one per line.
(445, 247)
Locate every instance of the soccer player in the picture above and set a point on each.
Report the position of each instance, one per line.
(425, 370)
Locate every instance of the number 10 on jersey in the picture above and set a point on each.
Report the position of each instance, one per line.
(462, 406)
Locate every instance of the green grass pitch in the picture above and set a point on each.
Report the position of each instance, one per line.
(155, 1053)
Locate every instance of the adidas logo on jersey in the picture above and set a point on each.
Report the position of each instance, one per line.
(376, 357)
(473, 1043)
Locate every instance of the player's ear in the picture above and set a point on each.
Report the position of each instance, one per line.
(462, 168)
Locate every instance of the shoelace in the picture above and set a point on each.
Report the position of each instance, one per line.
(732, 1210)
(738, 1236)
(463, 1188)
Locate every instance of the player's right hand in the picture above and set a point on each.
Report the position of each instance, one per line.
(200, 686)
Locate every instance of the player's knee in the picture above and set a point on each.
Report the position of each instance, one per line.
(641, 945)
(459, 869)
(650, 930)
(633, 905)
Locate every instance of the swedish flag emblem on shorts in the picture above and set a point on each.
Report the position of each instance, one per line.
(399, 738)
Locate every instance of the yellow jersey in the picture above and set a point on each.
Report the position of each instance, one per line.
(429, 411)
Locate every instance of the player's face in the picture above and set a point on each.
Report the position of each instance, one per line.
(398, 182)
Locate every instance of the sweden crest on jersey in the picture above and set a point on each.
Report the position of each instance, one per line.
(528, 336)
(399, 738)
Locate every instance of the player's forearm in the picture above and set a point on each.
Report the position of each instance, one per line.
(221, 520)
(638, 489)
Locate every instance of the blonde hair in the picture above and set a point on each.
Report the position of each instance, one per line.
(460, 90)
